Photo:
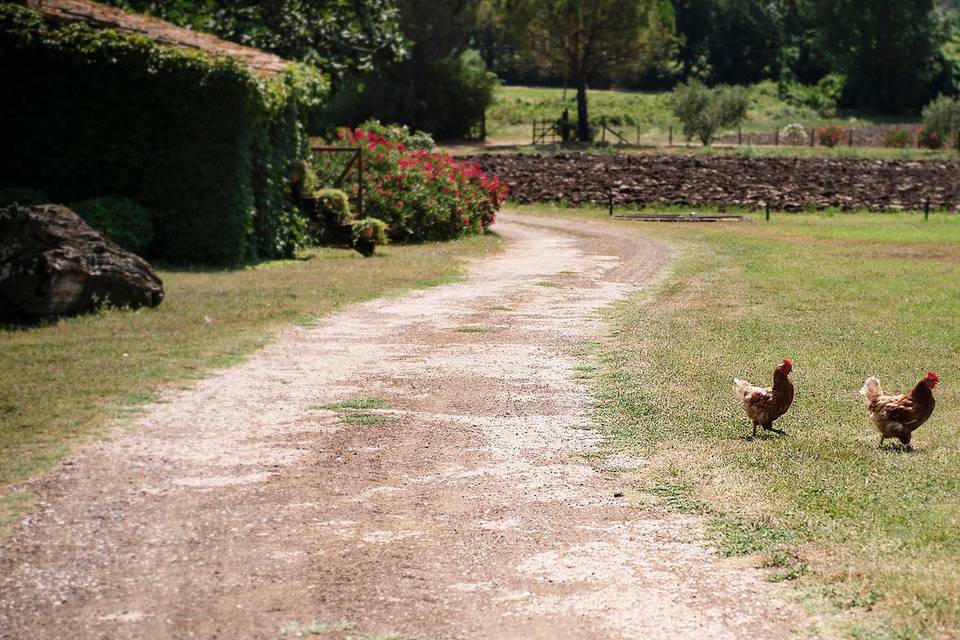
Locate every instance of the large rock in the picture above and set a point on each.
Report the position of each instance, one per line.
(52, 263)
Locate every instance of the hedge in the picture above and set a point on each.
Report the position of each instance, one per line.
(199, 140)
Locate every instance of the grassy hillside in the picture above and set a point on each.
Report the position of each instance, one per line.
(515, 108)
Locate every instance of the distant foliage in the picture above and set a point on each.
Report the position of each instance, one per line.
(704, 111)
(898, 139)
(830, 135)
(446, 97)
(202, 142)
(120, 219)
(943, 116)
(929, 138)
(421, 195)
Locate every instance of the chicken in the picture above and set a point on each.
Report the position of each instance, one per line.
(763, 406)
(899, 416)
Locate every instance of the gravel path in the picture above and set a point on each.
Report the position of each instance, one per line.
(241, 508)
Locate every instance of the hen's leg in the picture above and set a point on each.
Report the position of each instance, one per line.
(882, 438)
(754, 435)
(769, 427)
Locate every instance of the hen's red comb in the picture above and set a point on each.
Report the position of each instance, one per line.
(932, 376)
(787, 362)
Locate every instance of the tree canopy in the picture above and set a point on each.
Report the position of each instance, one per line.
(582, 39)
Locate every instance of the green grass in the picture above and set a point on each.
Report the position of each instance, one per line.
(357, 403)
(473, 330)
(843, 296)
(61, 384)
(364, 418)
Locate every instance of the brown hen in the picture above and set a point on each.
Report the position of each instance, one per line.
(899, 416)
(763, 406)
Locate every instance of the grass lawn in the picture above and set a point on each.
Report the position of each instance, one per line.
(872, 532)
(61, 384)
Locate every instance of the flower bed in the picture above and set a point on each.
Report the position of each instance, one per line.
(422, 195)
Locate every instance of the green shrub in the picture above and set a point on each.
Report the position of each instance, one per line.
(201, 141)
(446, 98)
(943, 116)
(121, 219)
(333, 205)
(401, 134)
(831, 135)
(929, 138)
(22, 195)
(704, 111)
(369, 230)
(898, 139)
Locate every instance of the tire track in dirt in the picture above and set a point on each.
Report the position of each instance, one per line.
(239, 507)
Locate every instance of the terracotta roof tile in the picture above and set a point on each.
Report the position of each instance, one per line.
(113, 18)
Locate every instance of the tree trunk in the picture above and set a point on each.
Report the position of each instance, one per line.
(583, 122)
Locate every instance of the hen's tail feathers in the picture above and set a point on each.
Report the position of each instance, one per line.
(871, 390)
(740, 388)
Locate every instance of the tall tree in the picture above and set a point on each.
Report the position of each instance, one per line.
(731, 41)
(583, 38)
(888, 50)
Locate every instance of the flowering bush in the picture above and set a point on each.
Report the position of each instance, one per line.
(422, 195)
(794, 135)
(928, 137)
(898, 139)
(830, 135)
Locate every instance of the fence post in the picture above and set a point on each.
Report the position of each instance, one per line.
(812, 136)
(670, 140)
(768, 211)
(638, 134)
(739, 136)
(850, 140)
(533, 140)
(776, 138)
(926, 210)
(360, 185)
(610, 200)
(603, 128)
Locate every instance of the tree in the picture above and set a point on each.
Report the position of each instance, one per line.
(340, 37)
(889, 51)
(736, 41)
(943, 116)
(583, 38)
(441, 86)
(704, 111)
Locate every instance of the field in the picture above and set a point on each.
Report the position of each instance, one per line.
(61, 384)
(869, 532)
(514, 109)
(790, 184)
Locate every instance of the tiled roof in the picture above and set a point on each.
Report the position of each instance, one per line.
(101, 15)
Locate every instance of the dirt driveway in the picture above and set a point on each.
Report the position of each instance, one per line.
(459, 509)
